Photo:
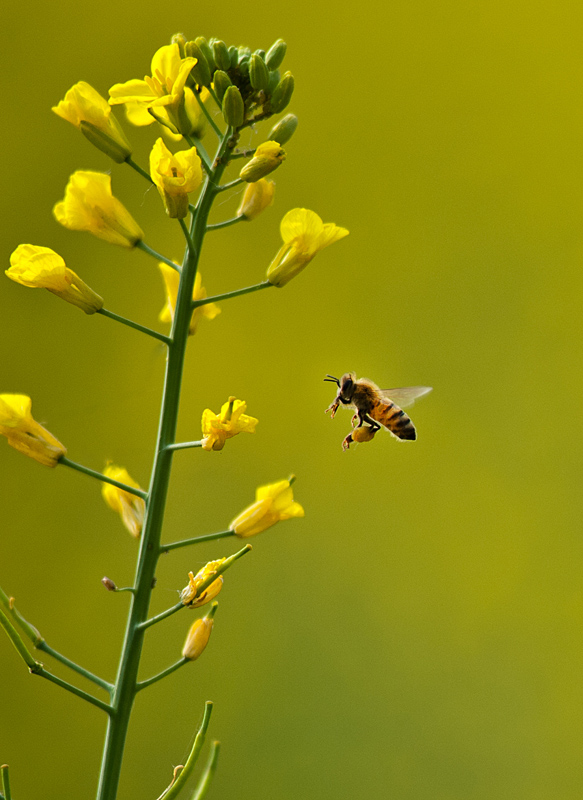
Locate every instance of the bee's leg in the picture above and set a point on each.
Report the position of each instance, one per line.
(333, 408)
(354, 419)
(374, 426)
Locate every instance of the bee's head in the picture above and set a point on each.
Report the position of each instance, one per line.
(347, 382)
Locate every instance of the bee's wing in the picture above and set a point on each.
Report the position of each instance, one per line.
(405, 395)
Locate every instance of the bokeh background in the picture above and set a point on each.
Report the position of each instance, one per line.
(418, 634)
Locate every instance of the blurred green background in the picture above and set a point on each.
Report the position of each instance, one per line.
(418, 635)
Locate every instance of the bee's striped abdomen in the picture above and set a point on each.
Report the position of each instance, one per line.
(394, 419)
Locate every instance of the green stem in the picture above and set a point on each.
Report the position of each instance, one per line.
(126, 681)
(205, 111)
(165, 548)
(136, 325)
(187, 236)
(159, 617)
(226, 223)
(168, 671)
(230, 185)
(184, 445)
(44, 673)
(147, 249)
(130, 162)
(101, 477)
(209, 772)
(5, 772)
(177, 785)
(16, 640)
(75, 667)
(237, 293)
(203, 155)
(33, 633)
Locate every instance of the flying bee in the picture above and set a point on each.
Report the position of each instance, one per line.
(375, 406)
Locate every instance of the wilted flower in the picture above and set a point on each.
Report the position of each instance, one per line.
(198, 635)
(41, 267)
(171, 282)
(25, 434)
(189, 595)
(130, 507)
(87, 110)
(216, 429)
(90, 206)
(304, 234)
(273, 503)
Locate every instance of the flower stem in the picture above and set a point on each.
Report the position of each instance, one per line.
(44, 673)
(229, 185)
(159, 617)
(143, 246)
(208, 773)
(130, 162)
(177, 785)
(126, 681)
(75, 667)
(4, 772)
(247, 290)
(101, 477)
(205, 111)
(187, 236)
(136, 325)
(225, 224)
(168, 671)
(165, 548)
(202, 153)
(184, 445)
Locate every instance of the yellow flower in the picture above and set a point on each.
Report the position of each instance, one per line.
(164, 91)
(25, 434)
(130, 507)
(304, 234)
(189, 595)
(268, 157)
(171, 282)
(41, 267)
(198, 637)
(256, 198)
(87, 110)
(90, 206)
(216, 429)
(175, 176)
(273, 503)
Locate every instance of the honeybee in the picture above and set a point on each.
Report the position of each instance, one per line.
(375, 406)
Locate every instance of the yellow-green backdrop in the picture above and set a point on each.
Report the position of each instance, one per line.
(418, 635)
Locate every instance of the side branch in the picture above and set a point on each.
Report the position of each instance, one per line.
(131, 324)
(226, 223)
(101, 477)
(208, 537)
(143, 246)
(184, 445)
(236, 293)
(168, 671)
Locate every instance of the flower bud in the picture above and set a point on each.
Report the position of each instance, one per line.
(180, 40)
(276, 54)
(284, 129)
(243, 53)
(208, 53)
(268, 157)
(234, 56)
(274, 78)
(199, 635)
(256, 198)
(201, 70)
(221, 83)
(244, 66)
(260, 53)
(282, 93)
(233, 107)
(221, 55)
(258, 73)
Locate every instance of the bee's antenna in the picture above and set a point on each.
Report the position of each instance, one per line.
(332, 379)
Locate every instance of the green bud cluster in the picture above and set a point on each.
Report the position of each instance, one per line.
(247, 84)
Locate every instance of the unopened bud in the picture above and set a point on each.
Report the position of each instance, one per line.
(244, 52)
(204, 46)
(284, 129)
(198, 635)
(282, 93)
(276, 54)
(268, 157)
(244, 66)
(233, 107)
(260, 53)
(258, 73)
(180, 40)
(274, 79)
(256, 198)
(221, 83)
(234, 56)
(221, 55)
(201, 70)
(109, 584)
(118, 148)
